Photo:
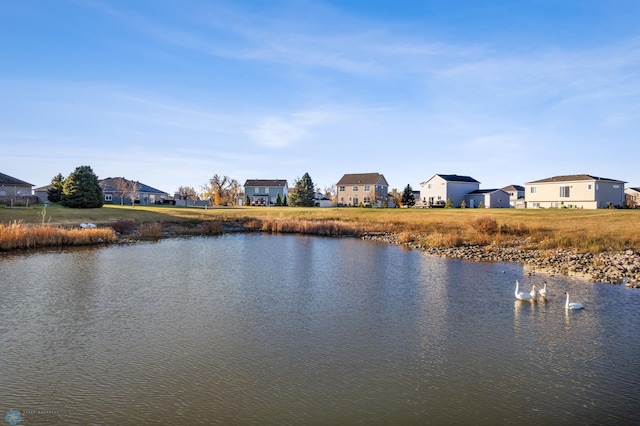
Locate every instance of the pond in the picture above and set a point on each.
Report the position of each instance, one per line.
(284, 329)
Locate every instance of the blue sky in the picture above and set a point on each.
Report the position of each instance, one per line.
(172, 92)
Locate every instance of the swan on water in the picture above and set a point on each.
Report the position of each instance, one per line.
(573, 305)
(521, 295)
(543, 291)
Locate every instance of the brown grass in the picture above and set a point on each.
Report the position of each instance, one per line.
(17, 235)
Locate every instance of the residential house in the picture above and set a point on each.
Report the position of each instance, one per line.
(632, 197)
(321, 200)
(366, 189)
(15, 190)
(264, 192)
(487, 198)
(516, 195)
(42, 192)
(440, 188)
(575, 191)
(119, 190)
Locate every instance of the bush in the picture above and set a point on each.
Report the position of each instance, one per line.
(485, 224)
(124, 227)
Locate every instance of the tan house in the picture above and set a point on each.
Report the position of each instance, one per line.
(366, 189)
(516, 195)
(632, 197)
(575, 191)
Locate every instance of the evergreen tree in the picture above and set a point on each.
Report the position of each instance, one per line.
(408, 199)
(303, 194)
(55, 192)
(81, 189)
(278, 200)
(247, 201)
(284, 200)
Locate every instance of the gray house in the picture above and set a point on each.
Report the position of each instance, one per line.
(119, 190)
(264, 192)
(15, 190)
(440, 188)
(488, 198)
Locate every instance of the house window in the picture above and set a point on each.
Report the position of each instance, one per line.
(616, 186)
(429, 186)
(368, 188)
(564, 191)
(355, 187)
(108, 197)
(342, 188)
(589, 186)
(256, 190)
(534, 189)
(366, 200)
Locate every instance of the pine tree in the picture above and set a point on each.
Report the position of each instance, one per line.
(55, 192)
(82, 190)
(303, 194)
(408, 199)
(278, 200)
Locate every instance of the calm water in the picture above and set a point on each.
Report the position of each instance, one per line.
(251, 329)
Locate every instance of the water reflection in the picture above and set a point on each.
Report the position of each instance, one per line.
(293, 330)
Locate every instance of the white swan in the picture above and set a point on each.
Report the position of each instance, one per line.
(521, 295)
(543, 291)
(574, 305)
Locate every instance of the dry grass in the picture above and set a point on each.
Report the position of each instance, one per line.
(581, 230)
(17, 235)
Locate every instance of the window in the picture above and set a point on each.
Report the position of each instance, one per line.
(256, 190)
(108, 197)
(616, 186)
(534, 189)
(367, 188)
(565, 191)
(342, 188)
(429, 186)
(355, 187)
(589, 186)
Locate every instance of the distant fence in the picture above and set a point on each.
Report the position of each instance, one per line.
(19, 200)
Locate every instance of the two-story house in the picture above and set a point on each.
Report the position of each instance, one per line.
(264, 192)
(576, 191)
(632, 197)
(368, 189)
(440, 188)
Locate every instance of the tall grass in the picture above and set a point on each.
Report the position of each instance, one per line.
(17, 235)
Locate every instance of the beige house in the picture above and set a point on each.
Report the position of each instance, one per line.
(516, 195)
(575, 191)
(632, 197)
(368, 189)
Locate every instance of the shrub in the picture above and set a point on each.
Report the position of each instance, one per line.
(485, 224)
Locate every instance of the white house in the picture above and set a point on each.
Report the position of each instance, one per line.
(575, 191)
(516, 195)
(436, 191)
(488, 198)
(632, 197)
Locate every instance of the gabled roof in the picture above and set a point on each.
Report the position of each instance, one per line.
(280, 183)
(362, 179)
(573, 178)
(485, 191)
(513, 188)
(111, 185)
(8, 180)
(636, 189)
(454, 178)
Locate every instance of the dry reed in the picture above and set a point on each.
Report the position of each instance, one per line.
(17, 235)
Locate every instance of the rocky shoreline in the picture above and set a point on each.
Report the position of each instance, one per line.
(607, 267)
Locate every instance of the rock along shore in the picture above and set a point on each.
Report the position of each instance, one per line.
(607, 267)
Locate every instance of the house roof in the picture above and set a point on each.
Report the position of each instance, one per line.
(266, 182)
(485, 191)
(362, 179)
(111, 185)
(453, 178)
(513, 188)
(9, 180)
(636, 189)
(573, 178)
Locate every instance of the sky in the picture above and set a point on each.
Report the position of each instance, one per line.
(170, 93)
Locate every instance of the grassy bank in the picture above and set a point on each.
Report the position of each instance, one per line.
(581, 230)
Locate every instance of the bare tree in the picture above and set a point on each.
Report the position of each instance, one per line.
(132, 190)
(122, 187)
(219, 189)
(187, 193)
